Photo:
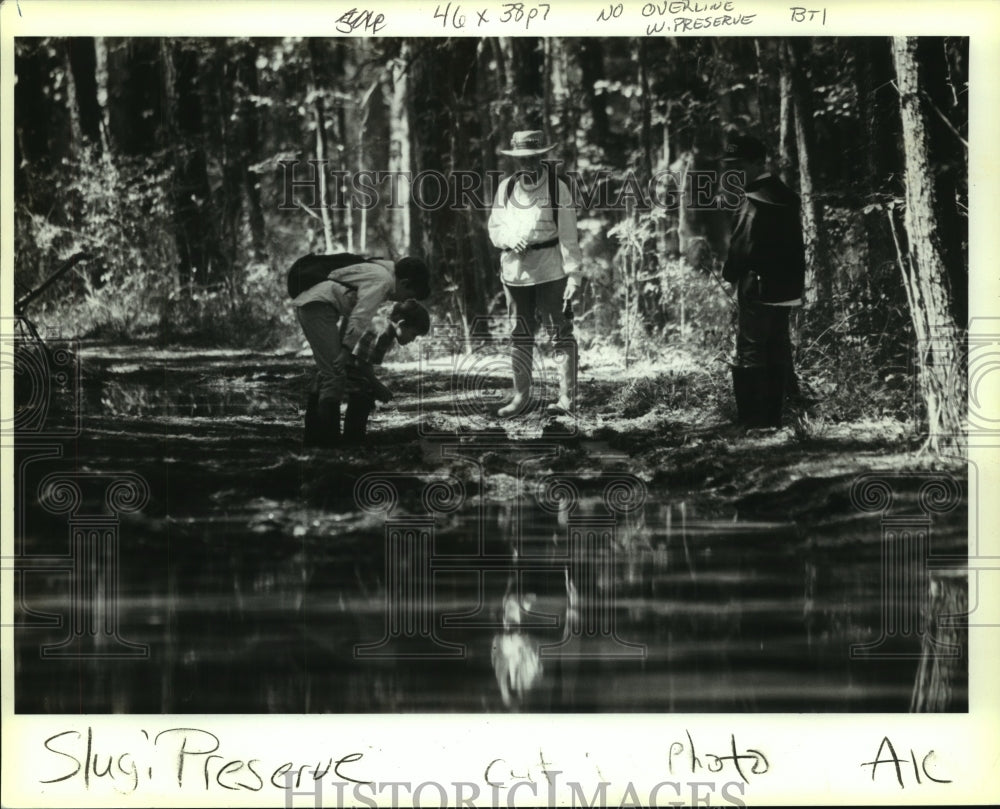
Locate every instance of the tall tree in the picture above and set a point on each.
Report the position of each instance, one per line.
(322, 153)
(82, 56)
(397, 75)
(944, 91)
(590, 57)
(135, 91)
(818, 267)
(183, 132)
(249, 140)
(940, 373)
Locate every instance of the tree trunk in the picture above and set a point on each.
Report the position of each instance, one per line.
(101, 79)
(591, 60)
(72, 101)
(786, 156)
(370, 103)
(400, 158)
(183, 127)
(817, 264)
(134, 93)
(220, 75)
(941, 377)
(946, 122)
(83, 69)
(645, 112)
(879, 179)
(250, 126)
(319, 113)
(565, 116)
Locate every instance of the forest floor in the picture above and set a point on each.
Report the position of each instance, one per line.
(668, 423)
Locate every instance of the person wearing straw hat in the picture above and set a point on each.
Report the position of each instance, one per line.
(533, 222)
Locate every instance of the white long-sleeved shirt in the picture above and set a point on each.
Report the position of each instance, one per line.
(527, 214)
(374, 281)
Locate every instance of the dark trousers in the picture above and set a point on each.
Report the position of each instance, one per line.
(763, 336)
(763, 371)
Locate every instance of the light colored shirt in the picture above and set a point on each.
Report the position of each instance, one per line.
(528, 215)
(373, 281)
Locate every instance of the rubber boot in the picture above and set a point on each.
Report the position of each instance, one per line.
(359, 408)
(311, 434)
(773, 400)
(521, 356)
(745, 394)
(565, 359)
(754, 403)
(328, 423)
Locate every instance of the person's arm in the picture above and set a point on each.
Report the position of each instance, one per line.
(374, 284)
(372, 346)
(569, 242)
(740, 244)
(369, 351)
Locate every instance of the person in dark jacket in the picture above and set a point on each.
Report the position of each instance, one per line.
(766, 263)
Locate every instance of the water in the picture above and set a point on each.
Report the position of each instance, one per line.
(258, 585)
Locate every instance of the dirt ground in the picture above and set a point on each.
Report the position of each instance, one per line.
(239, 415)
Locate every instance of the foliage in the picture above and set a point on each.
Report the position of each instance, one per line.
(120, 213)
(175, 181)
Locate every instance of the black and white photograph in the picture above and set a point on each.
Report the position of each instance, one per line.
(475, 369)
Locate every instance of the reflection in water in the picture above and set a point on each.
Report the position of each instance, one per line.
(592, 603)
(731, 617)
(516, 662)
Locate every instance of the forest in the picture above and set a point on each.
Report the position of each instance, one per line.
(192, 172)
(183, 166)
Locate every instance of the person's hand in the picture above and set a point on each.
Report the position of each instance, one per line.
(379, 391)
(572, 287)
(362, 367)
(520, 246)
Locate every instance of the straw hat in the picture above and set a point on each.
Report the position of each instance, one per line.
(527, 142)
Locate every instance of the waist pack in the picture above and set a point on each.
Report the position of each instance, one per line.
(310, 270)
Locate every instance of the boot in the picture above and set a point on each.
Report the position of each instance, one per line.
(359, 408)
(773, 400)
(566, 367)
(744, 393)
(521, 368)
(750, 388)
(327, 423)
(311, 434)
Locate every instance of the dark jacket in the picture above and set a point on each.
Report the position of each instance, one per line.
(767, 242)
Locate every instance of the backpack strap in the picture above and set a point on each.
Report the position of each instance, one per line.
(553, 192)
(352, 287)
(554, 197)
